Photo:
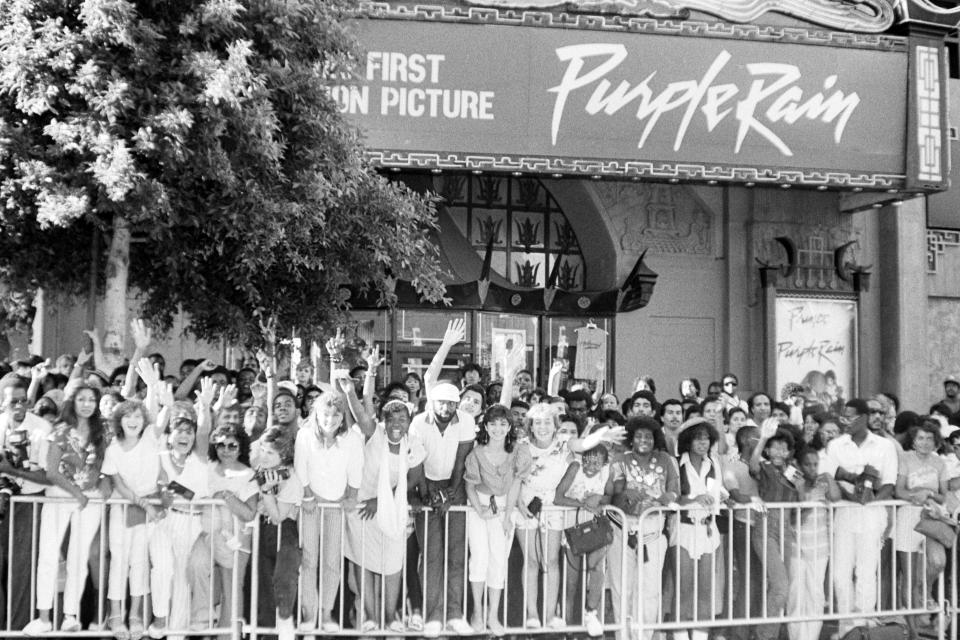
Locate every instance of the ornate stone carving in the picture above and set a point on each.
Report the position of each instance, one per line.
(938, 241)
(864, 16)
(815, 253)
(662, 218)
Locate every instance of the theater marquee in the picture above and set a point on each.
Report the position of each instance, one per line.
(449, 95)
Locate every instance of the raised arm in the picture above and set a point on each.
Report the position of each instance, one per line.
(553, 379)
(141, 339)
(183, 391)
(370, 379)
(455, 333)
(38, 372)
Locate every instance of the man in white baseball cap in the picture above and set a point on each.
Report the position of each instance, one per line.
(447, 435)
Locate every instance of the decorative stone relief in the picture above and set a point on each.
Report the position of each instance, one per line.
(815, 245)
(938, 241)
(662, 218)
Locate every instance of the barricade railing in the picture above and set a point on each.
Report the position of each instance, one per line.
(799, 564)
(405, 587)
(111, 541)
(668, 569)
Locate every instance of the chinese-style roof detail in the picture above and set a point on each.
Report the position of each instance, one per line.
(864, 16)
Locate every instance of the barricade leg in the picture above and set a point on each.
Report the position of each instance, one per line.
(310, 547)
(332, 556)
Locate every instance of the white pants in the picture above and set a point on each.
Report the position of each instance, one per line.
(489, 547)
(128, 556)
(643, 578)
(857, 542)
(84, 524)
(170, 546)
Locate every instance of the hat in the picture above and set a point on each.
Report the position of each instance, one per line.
(951, 379)
(444, 391)
(287, 387)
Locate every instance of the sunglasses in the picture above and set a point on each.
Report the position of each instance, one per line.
(229, 446)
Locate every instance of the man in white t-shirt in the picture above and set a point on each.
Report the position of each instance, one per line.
(865, 466)
(447, 436)
(20, 432)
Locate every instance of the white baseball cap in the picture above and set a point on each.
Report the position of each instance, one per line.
(445, 391)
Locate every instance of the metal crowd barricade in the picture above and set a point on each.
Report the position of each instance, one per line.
(205, 555)
(414, 601)
(695, 596)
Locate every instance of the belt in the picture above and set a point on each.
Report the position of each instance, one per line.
(185, 512)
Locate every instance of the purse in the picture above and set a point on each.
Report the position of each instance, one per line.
(589, 536)
(943, 531)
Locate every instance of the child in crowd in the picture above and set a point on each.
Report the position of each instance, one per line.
(279, 546)
(587, 485)
(777, 480)
(493, 472)
(809, 566)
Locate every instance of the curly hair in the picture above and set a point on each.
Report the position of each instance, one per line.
(230, 431)
(691, 433)
(284, 446)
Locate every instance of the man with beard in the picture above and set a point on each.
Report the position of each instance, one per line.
(447, 435)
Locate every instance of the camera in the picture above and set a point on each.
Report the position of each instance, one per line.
(261, 476)
(7, 488)
(15, 453)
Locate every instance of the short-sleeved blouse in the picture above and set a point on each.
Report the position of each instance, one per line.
(79, 463)
(495, 479)
(549, 466)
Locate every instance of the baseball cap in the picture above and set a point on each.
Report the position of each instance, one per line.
(951, 379)
(445, 391)
(287, 387)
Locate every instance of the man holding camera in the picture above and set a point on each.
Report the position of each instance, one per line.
(447, 435)
(23, 438)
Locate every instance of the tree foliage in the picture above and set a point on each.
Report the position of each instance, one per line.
(208, 127)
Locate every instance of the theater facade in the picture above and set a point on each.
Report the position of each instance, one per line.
(671, 188)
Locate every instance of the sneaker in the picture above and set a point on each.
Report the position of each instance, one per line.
(460, 627)
(70, 625)
(285, 629)
(415, 622)
(432, 629)
(368, 626)
(36, 627)
(592, 623)
(556, 622)
(397, 627)
(307, 625)
(330, 627)
(156, 631)
(532, 623)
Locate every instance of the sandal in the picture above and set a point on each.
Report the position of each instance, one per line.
(415, 622)
(136, 629)
(117, 628)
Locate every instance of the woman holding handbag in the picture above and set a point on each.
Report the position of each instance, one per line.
(645, 477)
(588, 486)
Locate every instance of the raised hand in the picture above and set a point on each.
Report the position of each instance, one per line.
(40, 370)
(345, 384)
(456, 332)
(165, 394)
(84, 357)
(373, 358)
(228, 396)
(269, 331)
(148, 372)
(336, 344)
(207, 391)
(259, 392)
(142, 335)
(769, 428)
(94, 335)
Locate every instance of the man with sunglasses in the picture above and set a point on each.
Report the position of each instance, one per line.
(728, 395)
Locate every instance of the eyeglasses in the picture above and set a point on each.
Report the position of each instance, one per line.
(229, 446)
(18, 402)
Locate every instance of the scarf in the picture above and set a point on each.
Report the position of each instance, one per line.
(392, 503)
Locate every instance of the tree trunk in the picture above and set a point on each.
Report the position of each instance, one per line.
(115, 296)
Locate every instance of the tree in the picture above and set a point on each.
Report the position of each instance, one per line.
(203, 131)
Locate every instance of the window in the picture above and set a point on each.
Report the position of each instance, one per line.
(530, 231)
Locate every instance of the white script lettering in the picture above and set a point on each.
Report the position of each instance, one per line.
(773, 96)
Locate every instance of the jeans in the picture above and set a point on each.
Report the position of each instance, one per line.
(278, 569)
(442, 539)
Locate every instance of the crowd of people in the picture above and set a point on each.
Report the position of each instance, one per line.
(407, 500)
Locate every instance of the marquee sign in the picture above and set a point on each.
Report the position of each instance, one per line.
(468, 96)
